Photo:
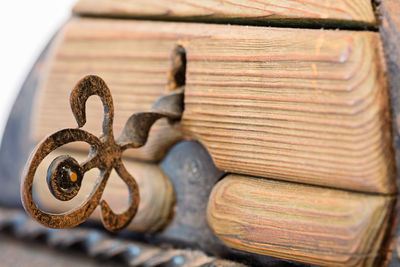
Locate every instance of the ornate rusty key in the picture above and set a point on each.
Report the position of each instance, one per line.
(65, 175)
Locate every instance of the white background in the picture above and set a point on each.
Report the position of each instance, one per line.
(25, 28)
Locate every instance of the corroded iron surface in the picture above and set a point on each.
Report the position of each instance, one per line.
(65, 174)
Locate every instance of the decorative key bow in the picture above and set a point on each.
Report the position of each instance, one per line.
(65, 174)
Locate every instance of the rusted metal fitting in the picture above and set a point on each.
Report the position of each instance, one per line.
(65, 174)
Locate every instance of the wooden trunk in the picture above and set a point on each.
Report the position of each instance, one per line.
(288, 145)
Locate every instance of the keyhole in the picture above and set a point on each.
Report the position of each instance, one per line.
(177, 72)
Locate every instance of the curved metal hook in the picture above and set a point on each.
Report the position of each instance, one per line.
(51, 143)
(86, 87)
(65, 174)
(137, 127)
(112, 221)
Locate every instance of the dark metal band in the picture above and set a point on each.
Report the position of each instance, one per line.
(99, 245)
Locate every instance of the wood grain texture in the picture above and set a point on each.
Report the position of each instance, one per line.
(136, 72)
(311, 109)
(233, 10)
(309, 106)
(326, 227)
(157, 197)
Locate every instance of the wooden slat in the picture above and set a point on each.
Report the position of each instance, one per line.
(280, 11)
(311, 109)
(135, 70)
(157, 196)
(304, 223)
(308, 106)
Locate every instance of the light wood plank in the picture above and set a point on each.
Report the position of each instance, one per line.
(136, 72)
(280, 11)
(325, 227)
(308, 106)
